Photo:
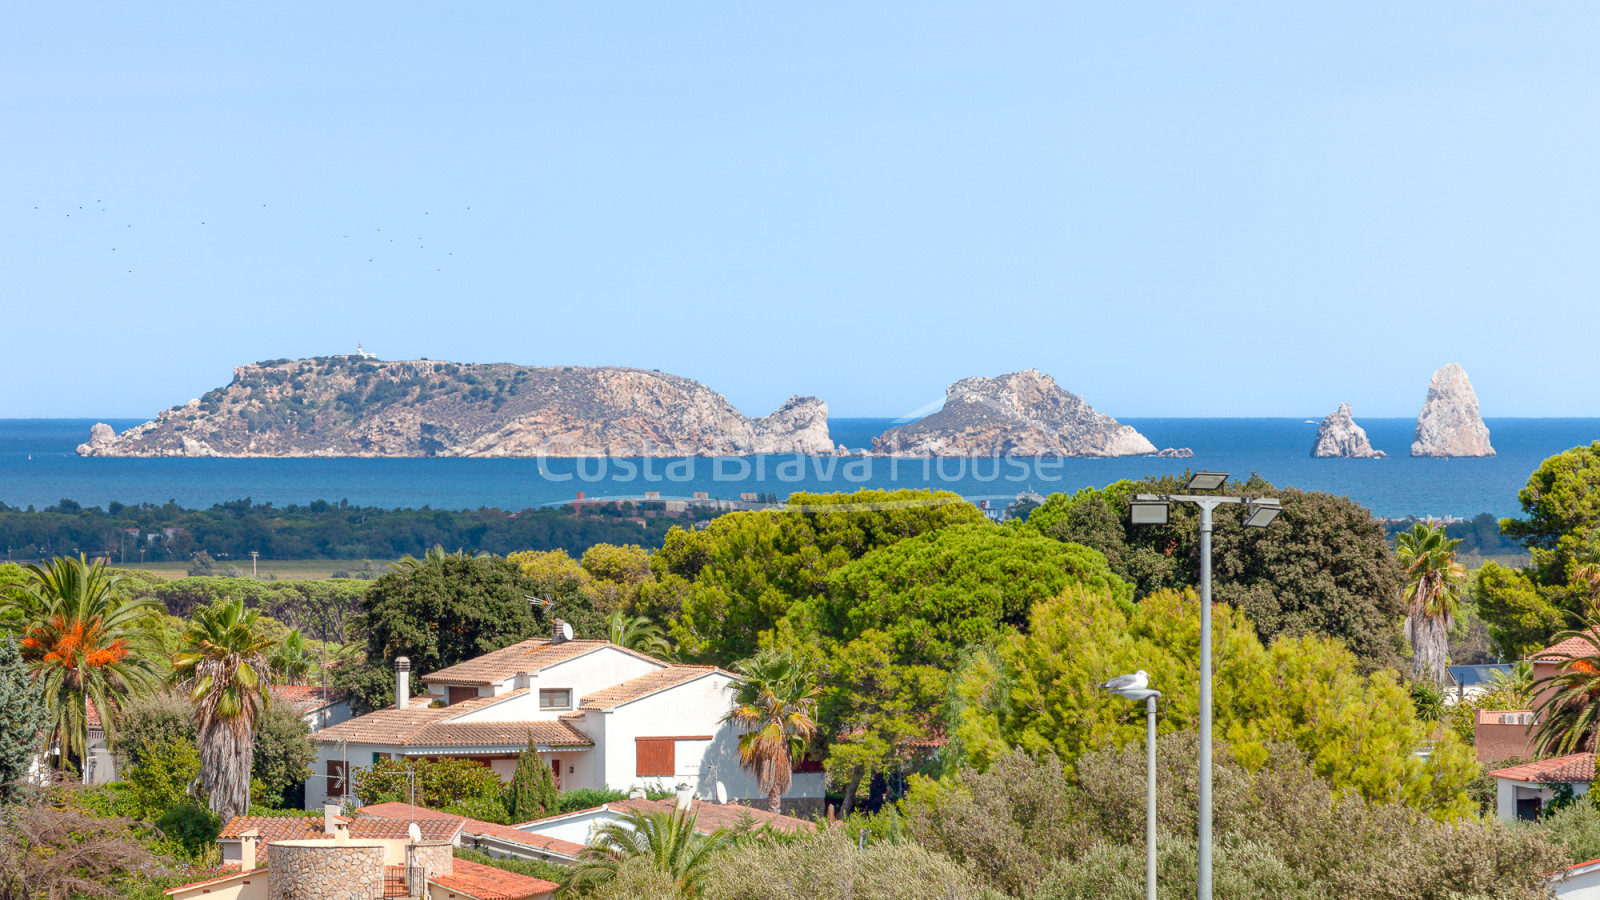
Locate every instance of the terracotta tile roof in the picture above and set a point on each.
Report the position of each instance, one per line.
(1571, 648)
(226, 876)
(476, 828)
(488, 883)
(421, 726)
(1575, 769)
(303, 697)
(528, 656)
(643, 686)
(309, 828)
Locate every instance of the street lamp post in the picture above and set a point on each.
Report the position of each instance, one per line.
(1151, 509)
(1135, 687)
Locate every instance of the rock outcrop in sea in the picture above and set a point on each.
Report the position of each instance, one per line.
(1021, 414)
(352, 406)
(1449, 424)
(1339, 437)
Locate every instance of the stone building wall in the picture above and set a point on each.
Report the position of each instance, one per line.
(325, 871)
(435, 857)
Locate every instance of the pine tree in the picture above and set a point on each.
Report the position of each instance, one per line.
(22, 719)
(532, 793)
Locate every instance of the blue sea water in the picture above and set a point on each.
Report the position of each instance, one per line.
(38, 467)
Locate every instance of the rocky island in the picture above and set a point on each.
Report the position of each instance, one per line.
(360, 407)
(1339, 437)
(1022, 414)
(1449, 424)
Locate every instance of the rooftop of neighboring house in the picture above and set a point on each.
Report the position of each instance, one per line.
(476, 828)
(1578, 768)
(422, 725)
(1571, 648)
(1473, 676)
(304, 697)
(520, 658)
(482, 882)
(708, 816)
(643, 686)
(269, 829)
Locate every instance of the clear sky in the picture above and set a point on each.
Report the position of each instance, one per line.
(1176, 209)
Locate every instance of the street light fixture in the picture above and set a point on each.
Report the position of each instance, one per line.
(1143, 692)
(1259, 512)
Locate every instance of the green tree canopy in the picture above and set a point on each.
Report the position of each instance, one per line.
(741, 574)
(1036, 691)
(1323, 567)
(23, 716)
(447, 608)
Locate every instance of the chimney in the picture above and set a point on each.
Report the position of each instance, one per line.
(556, 636)
(685, 797)
(330, 811)
(247, 850)
(402, 682)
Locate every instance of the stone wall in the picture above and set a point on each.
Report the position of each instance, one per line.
(435, 857)
(325, 871)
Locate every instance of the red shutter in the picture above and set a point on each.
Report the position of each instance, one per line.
(656, 757)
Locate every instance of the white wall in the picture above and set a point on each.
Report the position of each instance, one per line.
(691, 709)
(1508, 792)
(576, 827)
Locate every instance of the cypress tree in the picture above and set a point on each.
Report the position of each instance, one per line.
(22, 719)
(532, 793)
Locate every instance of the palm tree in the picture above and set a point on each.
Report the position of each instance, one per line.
(1513, 689)
(289, 660)
(1434, 580)
(636, 633)
(775, 704)
(1569, 718)
(225, 671)
(667, 840)
(85, 644)
(1428, 700)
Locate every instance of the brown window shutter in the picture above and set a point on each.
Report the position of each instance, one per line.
(462, 694)
(656, 757)
(336, 785)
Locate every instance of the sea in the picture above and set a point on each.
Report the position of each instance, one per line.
(39, 468)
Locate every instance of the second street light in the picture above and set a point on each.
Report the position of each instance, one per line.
(1153, 509)
(1136, 687)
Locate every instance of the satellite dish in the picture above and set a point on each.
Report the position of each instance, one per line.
(722, 793)
(566, 631)
(414, 832)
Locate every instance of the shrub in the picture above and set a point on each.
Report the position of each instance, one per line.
(160, 782)
(192, 827)
(828, 865)
(154, 722)
(587, 798)
(1240, 871)
(439, 782)
(283, 754)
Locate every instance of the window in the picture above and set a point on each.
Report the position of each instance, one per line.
(656, 756)
(378, 757)
(556, 699)
(459, 694)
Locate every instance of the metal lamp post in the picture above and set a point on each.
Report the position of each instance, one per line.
(1149, 697)
(1151, 509)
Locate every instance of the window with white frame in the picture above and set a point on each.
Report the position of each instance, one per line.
(556, 698)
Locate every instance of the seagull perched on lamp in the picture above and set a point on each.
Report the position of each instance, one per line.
(1138, 681)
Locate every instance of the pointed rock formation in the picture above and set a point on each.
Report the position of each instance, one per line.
(1022, 414)
(1340, 437)
(101, 437)
(1449, 424)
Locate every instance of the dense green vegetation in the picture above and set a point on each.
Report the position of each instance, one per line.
(129, 534)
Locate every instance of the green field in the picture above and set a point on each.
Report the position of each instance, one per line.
(281, 569)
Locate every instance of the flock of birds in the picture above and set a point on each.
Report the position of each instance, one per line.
(421, 245)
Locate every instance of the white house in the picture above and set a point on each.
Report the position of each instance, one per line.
(600, 714)
(579, 827)
(1522, 791)
(320, 707)
(1579, 882)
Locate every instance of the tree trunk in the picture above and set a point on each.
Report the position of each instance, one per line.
(849, 801)
(1430, 647)
(775, 801)
(226, 754)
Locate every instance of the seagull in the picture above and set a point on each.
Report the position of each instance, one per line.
(1138, 681)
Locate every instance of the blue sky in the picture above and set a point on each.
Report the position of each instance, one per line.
(863, 202)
